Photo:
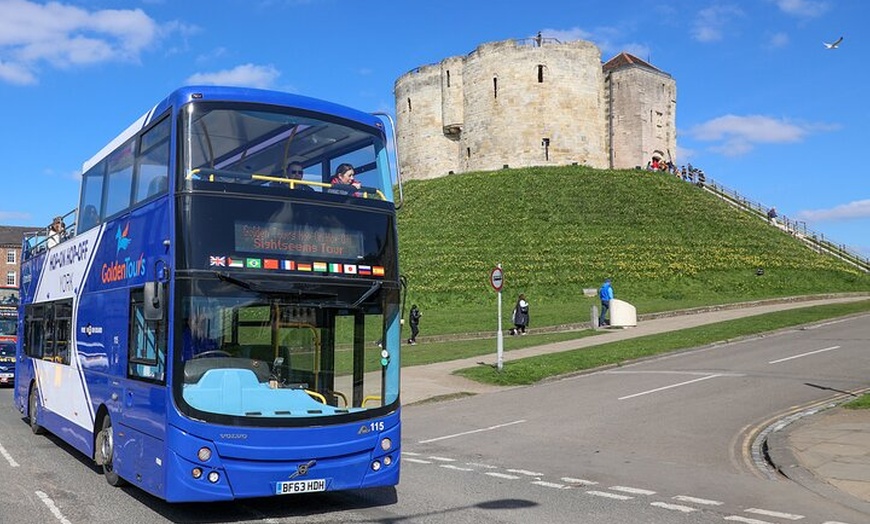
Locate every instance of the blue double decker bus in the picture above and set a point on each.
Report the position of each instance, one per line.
(203, 328)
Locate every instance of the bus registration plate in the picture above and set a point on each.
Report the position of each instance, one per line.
(300, 486)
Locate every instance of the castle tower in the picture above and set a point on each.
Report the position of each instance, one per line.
(528, 102)
(641, 112)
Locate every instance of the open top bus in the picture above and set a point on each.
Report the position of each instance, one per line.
(205, 328)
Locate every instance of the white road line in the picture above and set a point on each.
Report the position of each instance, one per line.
(804, 355)
(526, 472)
(744, 520)
(479, 465)
(834, 522)
(416, 461)
(8, 457)
(456, 468)
(501, 475)
(674, 507)
(777, 514)
(668, 387)
(441, 459)
(549, 484)
(694, 500)
(53, 508)
(581, 482)
(411, 453)
(445, 437)
(609, 495)
(633, 491)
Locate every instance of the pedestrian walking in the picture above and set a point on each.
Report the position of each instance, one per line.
(414, 320)
(520, 316)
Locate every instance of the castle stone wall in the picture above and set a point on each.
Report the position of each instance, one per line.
(643, 116)
(507, 103)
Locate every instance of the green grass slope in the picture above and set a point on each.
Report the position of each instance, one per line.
(556, 230)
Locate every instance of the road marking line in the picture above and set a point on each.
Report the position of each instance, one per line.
(675, 507)
(53, 508)
(704, 502)
(777, 514)
(735, 518)
(410, 453)
(457, 468)
(549, 484)
(633, 491)
(416, 461)
(526, 472)
(497, 426)
(501, 475)
(609, 495)
(479, 465)
(581, 482)
(656, 390)
(8, 457)
(804, 355)
(442, 459)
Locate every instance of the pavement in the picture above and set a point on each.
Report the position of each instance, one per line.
(825, 448)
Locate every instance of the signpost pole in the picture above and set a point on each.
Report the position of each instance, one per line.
(500, 334)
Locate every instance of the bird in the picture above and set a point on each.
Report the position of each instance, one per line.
(835, 45)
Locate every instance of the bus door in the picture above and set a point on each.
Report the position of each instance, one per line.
(144, 403)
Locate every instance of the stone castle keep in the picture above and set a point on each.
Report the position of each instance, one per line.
(533, 102)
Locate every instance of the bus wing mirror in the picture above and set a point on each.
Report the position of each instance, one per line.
(154, 302)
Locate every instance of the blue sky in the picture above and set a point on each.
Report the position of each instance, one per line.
(762, 106)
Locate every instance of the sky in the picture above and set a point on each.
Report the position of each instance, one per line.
(762, 106)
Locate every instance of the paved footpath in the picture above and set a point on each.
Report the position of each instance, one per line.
(826, 451)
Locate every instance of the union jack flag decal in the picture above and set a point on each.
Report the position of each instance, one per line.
(217, 261)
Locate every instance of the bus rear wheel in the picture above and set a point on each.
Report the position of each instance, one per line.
(107, 451)
(33, 411)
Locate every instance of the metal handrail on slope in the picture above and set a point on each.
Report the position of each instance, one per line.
(797, 228)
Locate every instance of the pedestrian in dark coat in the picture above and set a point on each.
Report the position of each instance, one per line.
(520, 316)
(414, 320)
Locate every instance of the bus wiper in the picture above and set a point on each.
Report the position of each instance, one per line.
(376, 285)
(226, 277)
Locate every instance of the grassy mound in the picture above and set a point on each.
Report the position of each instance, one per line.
(557, 230)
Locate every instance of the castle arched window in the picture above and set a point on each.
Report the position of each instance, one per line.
(448, 78)
(540, 74)
(468, 152)
(409, 104)
(494, 87)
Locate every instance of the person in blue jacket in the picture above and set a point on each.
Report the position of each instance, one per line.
(605, 293)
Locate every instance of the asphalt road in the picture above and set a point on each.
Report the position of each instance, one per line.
(667, 440)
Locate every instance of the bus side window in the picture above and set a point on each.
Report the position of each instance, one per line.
(147, 345)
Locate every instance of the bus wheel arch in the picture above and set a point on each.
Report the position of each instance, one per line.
(104, 447)
(33, 410)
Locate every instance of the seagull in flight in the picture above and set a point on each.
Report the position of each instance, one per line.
(835, 45)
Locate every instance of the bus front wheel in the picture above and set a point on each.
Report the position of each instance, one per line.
(106, 449)
(33, 411)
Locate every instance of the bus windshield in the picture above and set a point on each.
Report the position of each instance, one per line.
(250, 352)
(280, 151)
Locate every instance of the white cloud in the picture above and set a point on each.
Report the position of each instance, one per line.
(853, 210)
(711, 22)
(737, 135)
(245, 75)
(14, 216)
(778, 40)
(803, 8)
(64, 36)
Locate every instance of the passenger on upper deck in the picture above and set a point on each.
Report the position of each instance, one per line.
(343, 183)
(294, 172)
(56, 232)
(87, 219)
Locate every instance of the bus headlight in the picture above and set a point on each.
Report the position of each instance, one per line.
(196, 473)
(376, 465)
(388, 460)
(203, 454)
(386, 444)
(213, 477)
